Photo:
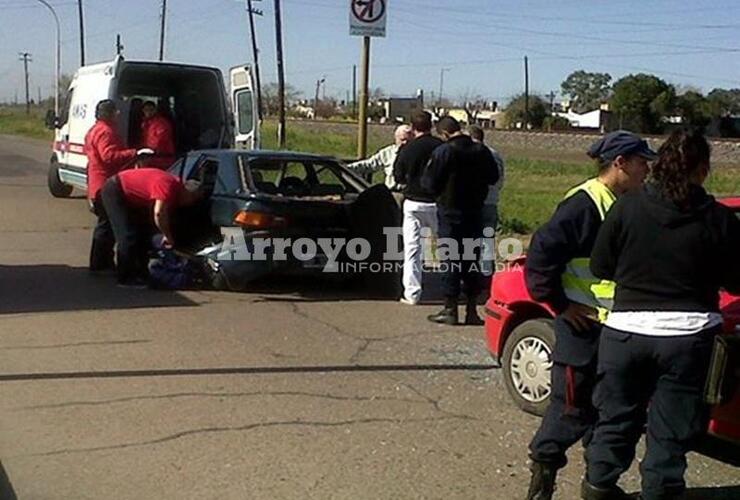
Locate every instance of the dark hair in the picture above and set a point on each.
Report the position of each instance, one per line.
(679, 160)
(421, 121)
(476, 132)
(105, 109)
(149, 104)
(448, 124)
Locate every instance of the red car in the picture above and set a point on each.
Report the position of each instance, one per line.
(520, 336)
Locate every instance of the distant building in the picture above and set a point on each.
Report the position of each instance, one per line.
(598, 119)
(485, 118)
(399, 109)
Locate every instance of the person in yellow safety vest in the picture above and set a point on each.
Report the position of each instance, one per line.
(557, 273)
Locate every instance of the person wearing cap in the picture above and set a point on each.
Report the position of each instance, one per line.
(557, 273)
(157, 134)
(106, 155)
(669, 247)
(384, 160)
(135, 195)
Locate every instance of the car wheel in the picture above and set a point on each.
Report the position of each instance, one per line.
(57, 188)
(527, 362)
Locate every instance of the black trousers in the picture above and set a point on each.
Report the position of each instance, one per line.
(130, 233)
(103, 240)
(458, 226)
(571, 416)
(668, 373)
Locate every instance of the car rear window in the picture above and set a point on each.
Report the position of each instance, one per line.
(299, 178)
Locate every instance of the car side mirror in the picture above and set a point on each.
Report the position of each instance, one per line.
(51, 120)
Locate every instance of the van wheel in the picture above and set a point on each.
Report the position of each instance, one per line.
(527, 362)
(57, 188)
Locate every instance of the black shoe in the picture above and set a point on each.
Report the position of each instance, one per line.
(591, 492)
(471, 314)
(446, 316)
(542, 484)
(139, 283)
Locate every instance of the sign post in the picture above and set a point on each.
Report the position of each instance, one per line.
(366, 19)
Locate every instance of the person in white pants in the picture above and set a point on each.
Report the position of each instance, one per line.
(419, 207)
(416, 217)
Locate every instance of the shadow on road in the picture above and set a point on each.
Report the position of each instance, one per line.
(48, 288)
(718, 493)
(6, 489)
(312, 289)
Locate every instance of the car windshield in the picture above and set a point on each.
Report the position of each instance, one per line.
(301, 178)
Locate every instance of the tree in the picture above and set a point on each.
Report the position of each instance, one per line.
(586, 90)
(694, 109)
(724, 102)
(538, 111)
(270, 98)
(640, 101)
(473, 103)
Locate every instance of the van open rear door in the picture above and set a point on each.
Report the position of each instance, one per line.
(244, 105)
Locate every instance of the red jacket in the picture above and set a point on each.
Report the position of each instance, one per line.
(106, 156)
(157, 134)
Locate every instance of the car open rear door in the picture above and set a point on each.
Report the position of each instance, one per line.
(244, 106)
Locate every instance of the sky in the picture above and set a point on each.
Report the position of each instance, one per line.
(479, 44)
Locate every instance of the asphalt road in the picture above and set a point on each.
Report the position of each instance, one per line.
(151, 416)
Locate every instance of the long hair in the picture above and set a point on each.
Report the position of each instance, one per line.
(679, 160)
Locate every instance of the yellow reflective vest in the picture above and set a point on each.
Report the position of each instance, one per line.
(579, 284)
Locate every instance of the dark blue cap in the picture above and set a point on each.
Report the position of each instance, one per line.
(620, 142)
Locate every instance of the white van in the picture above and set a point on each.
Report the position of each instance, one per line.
(204, 115)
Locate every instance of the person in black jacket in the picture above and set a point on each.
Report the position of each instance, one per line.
(557, 273)
(459, 174)
(670, 248)
(419, 209)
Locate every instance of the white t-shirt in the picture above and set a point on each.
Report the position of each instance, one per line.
(663, 323)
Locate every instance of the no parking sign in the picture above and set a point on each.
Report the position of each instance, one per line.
(367, 17)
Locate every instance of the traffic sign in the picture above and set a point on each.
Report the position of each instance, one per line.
(367, 17)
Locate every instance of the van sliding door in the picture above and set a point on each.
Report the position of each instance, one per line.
(244, 106)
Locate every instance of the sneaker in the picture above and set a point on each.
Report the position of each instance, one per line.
(404, 300)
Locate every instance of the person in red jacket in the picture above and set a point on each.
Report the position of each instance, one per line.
(106, 156)
(128, 194)
(157, 134)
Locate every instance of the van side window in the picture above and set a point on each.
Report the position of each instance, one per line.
(64, 112)
(246, 112)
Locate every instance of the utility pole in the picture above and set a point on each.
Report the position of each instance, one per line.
(38, 103)
(281, 75)
(119, 46)
(318, 87)
(364, 81)
(255, 55)
(82, 33)
(441, 83)
(526, 93)
(58, 61)
(551, 95)
(354, 91)
(26, 58)
(161, 30)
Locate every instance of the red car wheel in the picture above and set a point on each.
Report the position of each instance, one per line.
(527, 361)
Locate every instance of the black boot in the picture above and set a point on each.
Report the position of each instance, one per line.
(542, 484)
(448, 315)
(471, 312)
(591, 492)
